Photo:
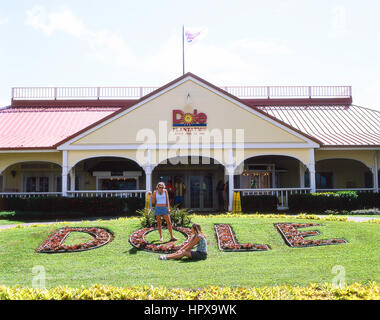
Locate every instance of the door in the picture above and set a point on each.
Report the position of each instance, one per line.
(201, 192)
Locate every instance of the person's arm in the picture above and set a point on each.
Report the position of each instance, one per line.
(167, 200)
(154, 197)
(193, 241)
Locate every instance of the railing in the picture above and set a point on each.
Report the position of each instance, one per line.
(78, 194)
(29, 194)
(56, 93)
(352, 189)
(107, 193)
(282, 194)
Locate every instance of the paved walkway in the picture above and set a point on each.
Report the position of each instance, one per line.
(4, 227)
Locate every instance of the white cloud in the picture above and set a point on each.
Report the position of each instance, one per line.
(4, 21)
(112, 48)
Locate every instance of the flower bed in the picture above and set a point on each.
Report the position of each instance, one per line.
(55, 242)
(295, 238)
(138, 240)
(227, 240)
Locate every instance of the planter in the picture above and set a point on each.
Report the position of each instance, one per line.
(55, 242)
(227, 241)
(138, 240)
(295, 238)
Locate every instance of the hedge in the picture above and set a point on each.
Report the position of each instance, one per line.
(65, 207)
(259, 203)
(338, 201)
(354, 291)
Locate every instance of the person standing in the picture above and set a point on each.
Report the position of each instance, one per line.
(160, 199)
(171, 189)
(219, 191)
(180, 190)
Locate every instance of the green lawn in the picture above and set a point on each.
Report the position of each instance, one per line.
(118, 264)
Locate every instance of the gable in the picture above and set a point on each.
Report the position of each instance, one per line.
(155, 115)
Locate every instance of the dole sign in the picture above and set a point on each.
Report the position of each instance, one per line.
(195, 119)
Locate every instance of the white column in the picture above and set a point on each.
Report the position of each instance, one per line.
(72, 179)
(312, 171)
(375, 172)
(230, 172)
(148, 168)
(64, 173)
(302, 175)
(148, 177)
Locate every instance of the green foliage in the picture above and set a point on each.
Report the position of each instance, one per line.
(178, 217)
(259, 203)
(313, 291)
(341, 201)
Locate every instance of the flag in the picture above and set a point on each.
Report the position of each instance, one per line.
(193, 35)
(190, 37)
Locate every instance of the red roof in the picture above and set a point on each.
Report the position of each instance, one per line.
(44, 128)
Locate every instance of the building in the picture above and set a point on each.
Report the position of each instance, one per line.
(122, 141)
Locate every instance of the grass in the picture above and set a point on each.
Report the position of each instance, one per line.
(118, 264)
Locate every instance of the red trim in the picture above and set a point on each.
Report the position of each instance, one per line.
(72, 103)
(299, 102)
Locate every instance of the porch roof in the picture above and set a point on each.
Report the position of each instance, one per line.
(44, 128)
(335, 126)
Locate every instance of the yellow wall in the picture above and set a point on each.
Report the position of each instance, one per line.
(76, 156)
(7, 159)
(222, 114)
(302, 155)
(365, 156)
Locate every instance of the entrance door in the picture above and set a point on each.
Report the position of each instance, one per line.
(201, 192)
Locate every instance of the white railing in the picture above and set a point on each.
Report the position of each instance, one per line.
(78, 194)
(107, 193)
(282, 194)
(56, 93)
(29, 194)
(352, 189)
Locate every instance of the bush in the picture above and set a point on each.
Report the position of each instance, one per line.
(356, 291)
(68, 207)
(259, 203)
(178, 217)
(340, 201)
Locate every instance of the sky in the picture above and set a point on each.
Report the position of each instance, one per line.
(139, 43)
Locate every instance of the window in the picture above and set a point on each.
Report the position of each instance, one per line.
(36, 184)
(324, 180)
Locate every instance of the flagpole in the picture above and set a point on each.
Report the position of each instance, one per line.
(183, 49)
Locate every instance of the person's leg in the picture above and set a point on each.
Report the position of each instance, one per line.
(179, 254)
(169, 224)
(159, 227)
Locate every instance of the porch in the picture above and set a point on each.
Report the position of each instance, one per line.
(275, 175)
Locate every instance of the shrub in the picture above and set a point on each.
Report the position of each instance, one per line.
(42, 207)
(340, 201)
(356, 291)
(259, 203)
(178, 217)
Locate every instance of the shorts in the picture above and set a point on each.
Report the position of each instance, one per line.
(198, 255)
(178, 199)
(161, 211)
